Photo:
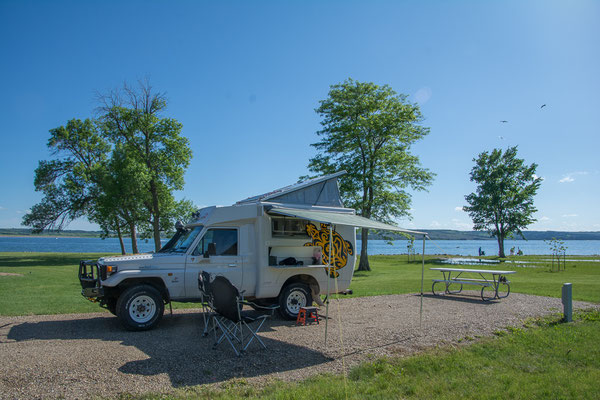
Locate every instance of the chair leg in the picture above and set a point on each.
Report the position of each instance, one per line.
(230, 332)
(254, 335)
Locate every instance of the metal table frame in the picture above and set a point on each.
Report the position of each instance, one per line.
(497, 278)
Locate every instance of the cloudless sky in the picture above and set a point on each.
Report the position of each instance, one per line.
(245, 77)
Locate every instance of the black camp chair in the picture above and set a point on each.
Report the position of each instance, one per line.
(238, 327)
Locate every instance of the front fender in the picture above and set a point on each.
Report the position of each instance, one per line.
(116, 279)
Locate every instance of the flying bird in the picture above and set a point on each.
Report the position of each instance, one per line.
(501, 137)
(503, 121)
(543, 105)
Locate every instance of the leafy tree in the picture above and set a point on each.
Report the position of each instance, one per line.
(70, 183)
(368, 130)
(131, 118)
(503, 201)
(119, 205)
(119, 170)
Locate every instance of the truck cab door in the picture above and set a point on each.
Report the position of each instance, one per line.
(217, 253)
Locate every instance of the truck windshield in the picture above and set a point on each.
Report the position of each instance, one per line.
(182, 240)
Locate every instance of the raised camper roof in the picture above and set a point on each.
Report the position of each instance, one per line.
(321, 191)
(316, 199)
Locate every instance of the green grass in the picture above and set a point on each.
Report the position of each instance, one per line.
(393, 274)
(547, 359)
(47, 282)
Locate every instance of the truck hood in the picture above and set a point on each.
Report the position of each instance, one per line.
(154, 260)
(120, 259)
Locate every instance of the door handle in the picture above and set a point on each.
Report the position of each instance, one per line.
(232, 265)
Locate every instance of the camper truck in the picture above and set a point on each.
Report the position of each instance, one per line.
(289, 246)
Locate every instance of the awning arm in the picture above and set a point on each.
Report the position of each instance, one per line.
(337, 218)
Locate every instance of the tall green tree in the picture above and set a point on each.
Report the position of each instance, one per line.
(119, 205)
(132, 118)
(71, 181)
(118, 170)
(368, 130)
(503, 201)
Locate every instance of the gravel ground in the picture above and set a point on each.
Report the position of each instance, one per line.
(89, 355)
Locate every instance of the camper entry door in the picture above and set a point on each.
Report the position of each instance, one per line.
(217, 253)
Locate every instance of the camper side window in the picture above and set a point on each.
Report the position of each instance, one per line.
(225, 242)
(283, 226)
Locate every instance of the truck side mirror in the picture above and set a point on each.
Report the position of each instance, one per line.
(211, 251)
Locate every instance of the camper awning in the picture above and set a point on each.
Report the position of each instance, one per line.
(339, 219)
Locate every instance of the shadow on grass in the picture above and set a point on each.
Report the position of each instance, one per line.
(176, 348)
(45, 260)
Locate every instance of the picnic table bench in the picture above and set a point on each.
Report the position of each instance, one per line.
(488, 279)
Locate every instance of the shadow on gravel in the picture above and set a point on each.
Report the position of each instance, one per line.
(176, 347)
(473, 298)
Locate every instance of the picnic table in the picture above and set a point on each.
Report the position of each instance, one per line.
(490, 280)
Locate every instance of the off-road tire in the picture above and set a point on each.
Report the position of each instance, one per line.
(292, 297)
(140, 308)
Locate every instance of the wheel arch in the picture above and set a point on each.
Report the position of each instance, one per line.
(309, 280)
(155, 282)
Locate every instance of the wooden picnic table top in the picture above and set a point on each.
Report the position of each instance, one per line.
(477, 271)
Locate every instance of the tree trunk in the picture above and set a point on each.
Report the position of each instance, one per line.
(501, 246)
(155, 216)
(120, 235)
(364, 256)
(134, 246)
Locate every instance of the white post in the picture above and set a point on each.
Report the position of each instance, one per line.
(328, 273)
(422, 275)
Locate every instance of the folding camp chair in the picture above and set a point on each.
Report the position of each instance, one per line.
(204, 303)
(238, 327)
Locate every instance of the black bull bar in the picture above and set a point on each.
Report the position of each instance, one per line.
(90, 275)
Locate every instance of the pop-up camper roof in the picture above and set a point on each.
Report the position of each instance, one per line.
(317, 200)
(321, 191)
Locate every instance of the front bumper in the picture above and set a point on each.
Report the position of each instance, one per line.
(90, 275)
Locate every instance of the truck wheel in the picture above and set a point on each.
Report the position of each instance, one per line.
(293, 297)
(140, 308)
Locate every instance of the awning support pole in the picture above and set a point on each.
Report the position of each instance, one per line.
(328, 273)
(422, 275)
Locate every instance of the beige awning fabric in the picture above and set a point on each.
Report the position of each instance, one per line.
(339, 219)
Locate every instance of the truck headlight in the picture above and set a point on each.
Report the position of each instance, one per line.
(111, 269)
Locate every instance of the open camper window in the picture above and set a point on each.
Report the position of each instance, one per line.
(286, 227)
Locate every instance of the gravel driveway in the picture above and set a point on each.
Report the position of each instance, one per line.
(86, 355)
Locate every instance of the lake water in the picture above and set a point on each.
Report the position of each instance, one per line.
(454, 247)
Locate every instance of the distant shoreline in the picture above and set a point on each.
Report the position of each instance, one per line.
(58, 236)
(371, 237)
(433, 234)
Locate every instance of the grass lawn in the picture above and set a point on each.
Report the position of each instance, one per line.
(546, 360)
(394, 274)
(47, 283)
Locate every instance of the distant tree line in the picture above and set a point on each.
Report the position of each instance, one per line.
(448, 234)
(118, 169)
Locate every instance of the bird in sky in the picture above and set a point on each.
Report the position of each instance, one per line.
(501, 137)
(543, 105)
(504, 121)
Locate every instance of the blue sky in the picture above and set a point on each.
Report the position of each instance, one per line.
(244, 78)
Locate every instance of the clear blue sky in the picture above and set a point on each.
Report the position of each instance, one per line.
(245, 77)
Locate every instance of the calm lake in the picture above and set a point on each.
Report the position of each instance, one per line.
(455, 247)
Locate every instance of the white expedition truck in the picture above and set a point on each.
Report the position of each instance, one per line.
(275, 248)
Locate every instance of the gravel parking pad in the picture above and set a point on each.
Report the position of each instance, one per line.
(87, 355)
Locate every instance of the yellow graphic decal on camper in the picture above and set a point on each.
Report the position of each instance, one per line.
(341, 248)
